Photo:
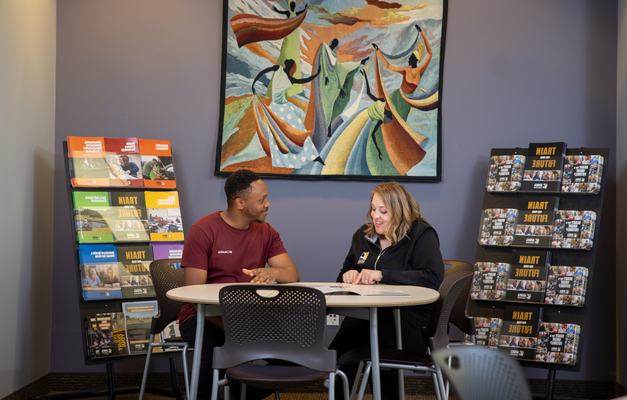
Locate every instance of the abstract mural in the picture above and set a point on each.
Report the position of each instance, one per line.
(332, 89)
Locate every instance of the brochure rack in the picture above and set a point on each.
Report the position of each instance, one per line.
(569, 257)
(90, 308)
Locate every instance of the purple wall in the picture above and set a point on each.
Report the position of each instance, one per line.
(515, 72)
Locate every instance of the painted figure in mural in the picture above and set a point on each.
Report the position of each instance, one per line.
(293, 154)
(338, 82)
(251, 28)
(331, 94)
(282, 79)
(378, 140)
(378, 113)
(411, 75)
(290, 49)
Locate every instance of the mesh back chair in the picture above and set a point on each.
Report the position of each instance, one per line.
(482, 373)
(164, 278)
(436, 331)
(459, 315)
(274, 323)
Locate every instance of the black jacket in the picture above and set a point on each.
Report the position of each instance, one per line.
(415, 260)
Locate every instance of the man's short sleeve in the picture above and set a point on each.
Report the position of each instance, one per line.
(196, 252)
(276, 244)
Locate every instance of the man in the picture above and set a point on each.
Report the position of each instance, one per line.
(130, 168)
(232, 246)
(152, 169)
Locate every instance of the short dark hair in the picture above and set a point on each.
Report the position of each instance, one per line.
(238, 184)
(124, 157)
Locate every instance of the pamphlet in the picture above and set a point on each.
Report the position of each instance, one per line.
(362, 290)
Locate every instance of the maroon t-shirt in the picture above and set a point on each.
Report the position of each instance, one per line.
(223, 251)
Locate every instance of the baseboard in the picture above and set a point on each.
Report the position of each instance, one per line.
(82, 381)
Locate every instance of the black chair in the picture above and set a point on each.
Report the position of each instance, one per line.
(436, 331)
(459, 316)
(164, 278)
(482, 373)
(274, 323)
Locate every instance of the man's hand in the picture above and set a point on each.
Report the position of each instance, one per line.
(262, 275)
(368, 277)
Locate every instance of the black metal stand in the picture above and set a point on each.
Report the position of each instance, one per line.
(88, 309)
(588, 259)
(550, 384)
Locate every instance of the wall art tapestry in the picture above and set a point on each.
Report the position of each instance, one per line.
(332, 89)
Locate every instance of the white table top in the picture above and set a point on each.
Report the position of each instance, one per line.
(208, 294)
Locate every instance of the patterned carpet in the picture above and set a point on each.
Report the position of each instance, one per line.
(416, 388)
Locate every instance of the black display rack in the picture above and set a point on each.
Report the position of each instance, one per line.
(559, 256)
(90, 308)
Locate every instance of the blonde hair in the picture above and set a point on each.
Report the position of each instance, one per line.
(403, 208)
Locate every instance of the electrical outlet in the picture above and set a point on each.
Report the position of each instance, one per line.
(333, 320)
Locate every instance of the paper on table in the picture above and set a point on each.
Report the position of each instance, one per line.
(362, 290)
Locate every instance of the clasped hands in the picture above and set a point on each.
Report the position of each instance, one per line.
(262, 275)
(365, 277)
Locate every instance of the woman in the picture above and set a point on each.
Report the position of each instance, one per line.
(398, 247)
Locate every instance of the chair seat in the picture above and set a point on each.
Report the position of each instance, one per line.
(277, 377)
(385, 356)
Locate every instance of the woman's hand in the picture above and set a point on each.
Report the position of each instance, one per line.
(350, 276)
(368, 277)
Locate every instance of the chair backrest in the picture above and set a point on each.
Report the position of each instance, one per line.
(164, 278)
(273, 322)
(482, 373)
(459, 316)
(451, 287)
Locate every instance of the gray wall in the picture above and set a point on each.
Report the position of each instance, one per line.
(27, 81)
(516, 71)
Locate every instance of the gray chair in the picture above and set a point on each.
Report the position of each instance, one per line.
(482, 373)
(436, 332)
(274, 323)
(459, 315)
(164, 278)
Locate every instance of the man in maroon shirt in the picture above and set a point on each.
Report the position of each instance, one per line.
(232, 246)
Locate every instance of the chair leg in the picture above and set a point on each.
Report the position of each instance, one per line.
(185, 372)
(364, 382)
(436, 386)
(442, 388)
(174, 377)
(145, 377)
(331, 381)
(401, 383)
(357, 380)
(344, 382)
(214, 384)
(242, 395)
